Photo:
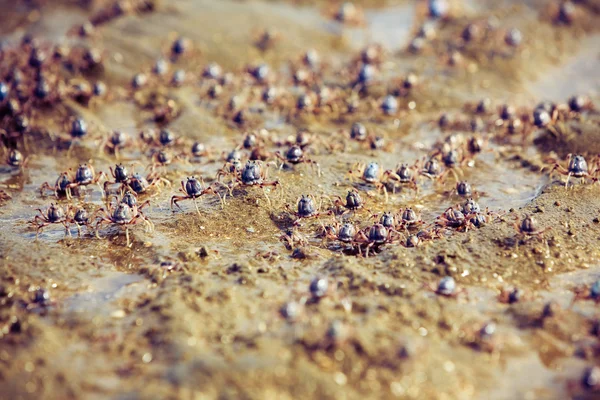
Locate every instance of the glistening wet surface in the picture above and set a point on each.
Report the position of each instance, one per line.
(238, 293)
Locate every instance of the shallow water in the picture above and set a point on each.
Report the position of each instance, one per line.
(121, 326)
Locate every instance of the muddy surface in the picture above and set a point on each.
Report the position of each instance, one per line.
(216, 303)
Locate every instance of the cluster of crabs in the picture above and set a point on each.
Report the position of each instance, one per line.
(37, 78)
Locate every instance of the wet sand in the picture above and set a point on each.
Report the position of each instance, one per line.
(120, 325)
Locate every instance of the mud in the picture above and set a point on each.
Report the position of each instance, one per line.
(193, 308)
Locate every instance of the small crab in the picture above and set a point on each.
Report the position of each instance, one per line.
(120, 175)
(579, 103)
(123, 215)
(295, 155)
(433, 170)
(292, 237)
(192, 189)
(61, 187)
(374, 236)
(387, 219)
(589, 383)
(345, 232)
(389, 105)
(370, 173)
(353, 201)
(55, 214)
(266, 39)
(164, 138)
(319, 287)
(405, 175)
(140, 184)
(347, 13)
(454, 218)
(483, 337)
(464, 189)
(409, 218)
(16, 159)
(199, 150)
(358, 132)
(292, 310)
(446, 287)
(116, 142)
(577, 167)
(416, 240)
(84, 176)
(528, 227)
(588, 293)
(252, 174)
(511, 296)
(307, 208)
(80, 217)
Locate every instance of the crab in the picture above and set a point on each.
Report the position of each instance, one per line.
(546, 115)
(60, 188)
(454, 218)
(116, 141)
(387, 219)
(123, 215)
(479, 219)
(321, 288)
(588, 292)
(86, 94)
(77, 128)
(528, 227)
(578, 104)
(588, 384)
(447, 287)
(564, 12)
(120, 175)
(84, 176)
(55, 214)
(374, 236)
(163, 138)
(292, 310)
(307, 208)
(40, 301)
(260, 73)
(482, 337)
(511, 296)
(433, 170)
(162, 158)
(353, 201)
(402, 87)
(577, 167)
(266, 39)
(80, 217)
(16, 159)
(295, 155)
(199, 150)
(345, 233)
(192, 189)
(416, 240)
(409, 218)
(167, 112)
(370, 173)
(454, 160)
(404, 175)
(346, 13)
(140, 184)
(252, 174)
(464, 189)
(291, 237)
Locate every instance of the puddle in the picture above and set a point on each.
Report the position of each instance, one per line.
(578, 75)
(389, 27)
(103, 290)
